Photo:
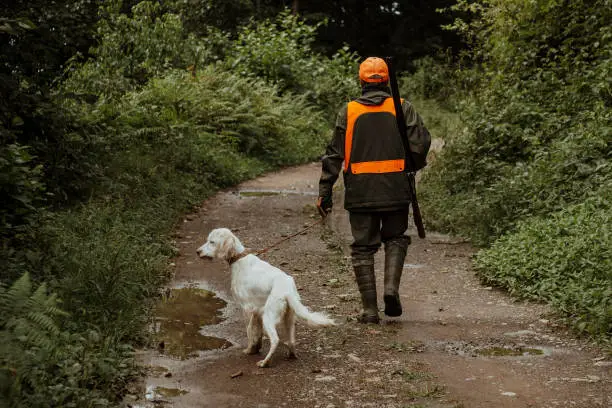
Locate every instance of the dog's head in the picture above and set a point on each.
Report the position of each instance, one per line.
(221, 244)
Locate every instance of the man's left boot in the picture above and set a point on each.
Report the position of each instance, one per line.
(395, 254)
(366, 281)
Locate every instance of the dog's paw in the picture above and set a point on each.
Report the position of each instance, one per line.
(262, 364)
(291, 355)
(250, 350)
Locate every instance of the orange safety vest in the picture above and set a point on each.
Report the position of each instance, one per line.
(354, 111)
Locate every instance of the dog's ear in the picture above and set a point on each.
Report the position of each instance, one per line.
(227, 248)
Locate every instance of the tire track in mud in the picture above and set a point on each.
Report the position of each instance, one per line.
(458, 344)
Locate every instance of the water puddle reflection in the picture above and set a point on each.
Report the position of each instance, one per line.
(510, 351)
(267, 193)
(496, 350)
(179, 319)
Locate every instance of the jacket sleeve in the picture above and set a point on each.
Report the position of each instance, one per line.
(334, 157)
(418, 135)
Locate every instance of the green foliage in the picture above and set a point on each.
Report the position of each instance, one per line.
(21, 188)
(166, 144)
(405, 29)
(534, 146)
(222, 114)
(443, 78)
(281, 52)
(103, 255)
(431, 80)
(43, 365)
(134, 137)
(37, 38)
(565, 259)
(534, 143)
(29, 314)
(199, 15)
(134, 48)
(483, 195)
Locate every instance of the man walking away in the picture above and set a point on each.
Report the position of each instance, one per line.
(368, 148)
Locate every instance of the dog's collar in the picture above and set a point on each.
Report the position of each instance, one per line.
(238, 257)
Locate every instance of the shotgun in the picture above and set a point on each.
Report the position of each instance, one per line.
(411, 168)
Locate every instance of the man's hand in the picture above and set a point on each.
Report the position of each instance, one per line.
(324, 205)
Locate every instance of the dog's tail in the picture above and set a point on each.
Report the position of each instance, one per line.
(314, 319)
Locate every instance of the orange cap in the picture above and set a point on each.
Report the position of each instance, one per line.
(374, 69)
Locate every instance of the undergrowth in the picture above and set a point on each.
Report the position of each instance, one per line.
(564, 259)
(526, 169)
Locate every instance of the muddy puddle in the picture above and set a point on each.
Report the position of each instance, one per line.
(160, 397)
(258, 193)
(157, 371)
(510, 351)
(179, 319)
(496, 350)
(267, 193)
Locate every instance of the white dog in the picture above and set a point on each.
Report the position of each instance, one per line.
(268, 295)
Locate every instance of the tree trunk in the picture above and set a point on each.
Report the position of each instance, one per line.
(295, 6)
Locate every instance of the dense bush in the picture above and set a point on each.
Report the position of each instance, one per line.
(134, 48)
(564, 258)
(280, 51)
(21, 189)
(431, 79)
(225, 114)
(534, 145)
(472, 191)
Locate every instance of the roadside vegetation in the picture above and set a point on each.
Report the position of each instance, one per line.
(526, 171)
(128, 140)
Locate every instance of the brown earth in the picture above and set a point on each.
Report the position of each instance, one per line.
(458, 344)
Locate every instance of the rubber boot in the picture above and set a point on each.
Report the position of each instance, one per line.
(395, 254)
(366, 281)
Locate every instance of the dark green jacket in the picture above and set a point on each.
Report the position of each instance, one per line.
(374, 139)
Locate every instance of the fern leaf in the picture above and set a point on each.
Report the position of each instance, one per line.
(45, 321)
(13, 299)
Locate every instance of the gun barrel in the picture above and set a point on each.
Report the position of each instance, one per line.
(401, 124)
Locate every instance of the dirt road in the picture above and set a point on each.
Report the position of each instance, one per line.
(458, 344)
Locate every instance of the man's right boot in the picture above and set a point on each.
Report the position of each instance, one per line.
(395, 254)
(366, 281)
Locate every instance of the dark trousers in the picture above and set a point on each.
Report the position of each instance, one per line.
(371, 228)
